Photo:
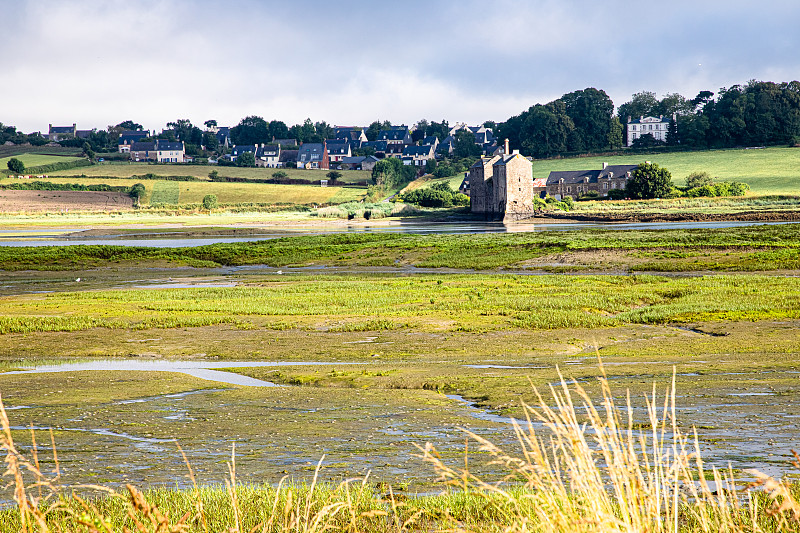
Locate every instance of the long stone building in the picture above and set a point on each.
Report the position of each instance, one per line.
(501, 186)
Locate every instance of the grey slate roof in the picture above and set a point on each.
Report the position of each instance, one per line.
(243, 148)
(580, 176)
(395, 134)
(310, 152)
(128, 137)
(430, 140)
(62, 129)
(143, 146)
(379, 146)
(175, 146)
(659, 120)
(355, 160)
(413, 150)
(268, 150)
(288, 156)
(337, 146)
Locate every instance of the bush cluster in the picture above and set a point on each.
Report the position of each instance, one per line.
(437, 195)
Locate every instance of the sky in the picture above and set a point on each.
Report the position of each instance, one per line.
(350, 62)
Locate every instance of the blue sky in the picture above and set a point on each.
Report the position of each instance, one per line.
(350, 62)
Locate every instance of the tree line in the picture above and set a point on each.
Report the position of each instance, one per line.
(754, 114)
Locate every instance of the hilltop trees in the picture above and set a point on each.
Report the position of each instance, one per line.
(250, 130)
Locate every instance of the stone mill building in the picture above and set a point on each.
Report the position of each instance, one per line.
(501, 186)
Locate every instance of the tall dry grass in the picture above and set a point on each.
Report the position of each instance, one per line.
(585, 465)
(589, 466)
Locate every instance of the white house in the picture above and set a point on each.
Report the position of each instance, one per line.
(655, 126)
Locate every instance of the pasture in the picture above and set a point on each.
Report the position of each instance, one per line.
(37, 159)
(192, 192)
(768, 171)
(127, 170)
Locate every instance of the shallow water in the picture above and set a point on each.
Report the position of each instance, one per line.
(59, 237)
(198, 369)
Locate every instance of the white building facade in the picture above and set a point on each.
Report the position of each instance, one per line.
(655, 126)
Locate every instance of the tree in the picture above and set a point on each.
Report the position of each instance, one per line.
(333, 176)
(391, 172)
(430, 166)
(614, 136)
(129, 125)
(649, 180)
(324, 130)
(279, 175)
(210, 141)
(136, 192)
(210, 202)
(591, 111)
(641, 104)
(373, 130)
(210, 123)
(247, 159)
(213, 175)
(277, 130)
(15, 165)
(250, 130)
(545, 130)
(87, 151)
(698, 179)
(646, 141)
(465, 144)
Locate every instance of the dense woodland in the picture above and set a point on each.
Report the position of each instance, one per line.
(755, 114)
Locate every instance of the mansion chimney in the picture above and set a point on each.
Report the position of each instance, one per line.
(506, 150)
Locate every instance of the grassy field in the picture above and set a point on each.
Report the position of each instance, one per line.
(768, 171)
(192, 192)
(33, 160)
(126, 170)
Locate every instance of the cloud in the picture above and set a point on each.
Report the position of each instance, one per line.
(353, 61)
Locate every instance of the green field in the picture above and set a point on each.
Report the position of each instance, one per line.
(192, 192)
(767, 171)
(35, 160)
(126, 170)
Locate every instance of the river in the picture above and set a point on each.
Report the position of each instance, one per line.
(177, 239)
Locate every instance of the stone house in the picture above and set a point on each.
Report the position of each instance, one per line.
(501, 186)
(60, 133)
(576, 183)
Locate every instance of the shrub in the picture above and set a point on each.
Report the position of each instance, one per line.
(15, 165)
(698, 179)
(617, 194)
(279, 175)
(591, 195)
(210, 202)
(137, 191)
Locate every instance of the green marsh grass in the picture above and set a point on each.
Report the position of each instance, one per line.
(585, 464)
(453, 302)
(481, 252)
